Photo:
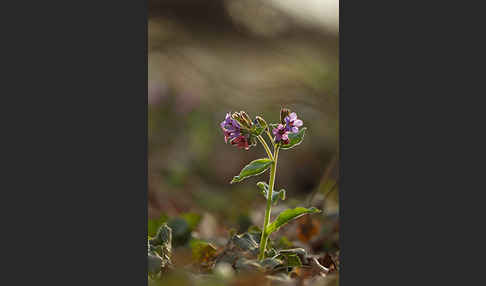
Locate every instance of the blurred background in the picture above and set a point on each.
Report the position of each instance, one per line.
(206, 58)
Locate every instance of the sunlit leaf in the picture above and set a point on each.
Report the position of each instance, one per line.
(294, 139)
(255, 167)
(288, 215)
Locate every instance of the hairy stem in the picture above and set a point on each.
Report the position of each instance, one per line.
(267, 149)
(270, 136)
(264, 237)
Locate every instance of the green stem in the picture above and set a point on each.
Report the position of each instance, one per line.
(270, 137)
(264, 238)
(267, 149)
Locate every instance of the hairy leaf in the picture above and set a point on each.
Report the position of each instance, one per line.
(255, 167)
(288, 215)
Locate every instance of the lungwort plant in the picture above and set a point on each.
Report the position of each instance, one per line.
(243, 132)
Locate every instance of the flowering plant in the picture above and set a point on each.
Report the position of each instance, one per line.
(241, 131)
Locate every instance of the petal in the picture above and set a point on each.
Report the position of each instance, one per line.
(298, 123)
(293, 116)
(236, 124)
(280, 127)
(295, 129)
(285, 136)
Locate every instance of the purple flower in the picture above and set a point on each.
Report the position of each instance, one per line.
(231, 128)
(292, 123)
(281, 134)
(232, 132)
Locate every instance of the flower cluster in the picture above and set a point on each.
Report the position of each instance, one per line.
(290, 124)
(233, 133)
(281, 134)
(241, 131)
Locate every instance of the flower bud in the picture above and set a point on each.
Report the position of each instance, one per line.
(247, 118)
(284, 112)
(261, 121)
(243, 119)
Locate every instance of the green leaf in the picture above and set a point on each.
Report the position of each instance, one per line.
(154, 224)
(288, 215)
(255, 167)
(300, 252)
(163, 237)
(294, 139)
(159, 249)
(263, 188)
(245, 242)
(276, 195)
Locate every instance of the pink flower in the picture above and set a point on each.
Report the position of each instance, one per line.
(292, 123)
